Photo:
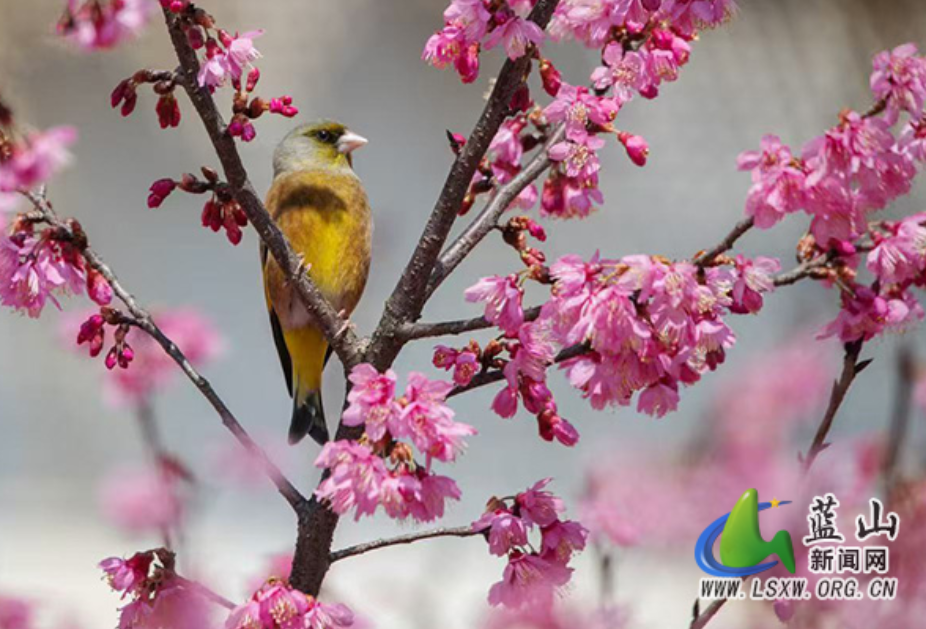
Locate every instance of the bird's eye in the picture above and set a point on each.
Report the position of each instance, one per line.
(325, 136)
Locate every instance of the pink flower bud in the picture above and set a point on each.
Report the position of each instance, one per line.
(98, 288)
(225, 38)
(176, 6)
(168, 111)
(253, 78)
(120, 92)
(552, 80)
(536, 230)
(111, 359)
(283, 106)
(235, 127)
(126, 355)
(128, 103)
(467, 64)
(248, 133)
(196, 37)
(159, 191)
(637, 148)
(521, 101)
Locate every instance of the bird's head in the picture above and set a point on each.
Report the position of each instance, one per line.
(321, 145)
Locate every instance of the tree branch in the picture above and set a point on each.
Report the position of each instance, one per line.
(335, 328)
(145, 322)
(359, 549)
(488, 218)
(700, 620)
(414, 331)
(409, 296)
(850, 368)
(706, 257)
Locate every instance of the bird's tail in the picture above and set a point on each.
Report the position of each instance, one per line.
(308, 418)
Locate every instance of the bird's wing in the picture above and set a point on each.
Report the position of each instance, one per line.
(286, 361)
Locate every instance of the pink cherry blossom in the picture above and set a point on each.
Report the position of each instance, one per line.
(516, 35)
(899, 77)
(506, 531)
(579, 159)
(34, 269)
(276, 605)
(578, 108)
(754, 277)
(866, 314)
(34, 159)
(142, 500)
(561, 539)
(502, 296)
(94, 25)
(900, 257)
(428, 422)
(371, 400)
(127, 575)
(529, 580)
(539, 506)
(357, 475)
(778, 185)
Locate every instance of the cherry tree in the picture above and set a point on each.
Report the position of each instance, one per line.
(622, 330)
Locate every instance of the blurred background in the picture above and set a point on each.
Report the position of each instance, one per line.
(786, 67)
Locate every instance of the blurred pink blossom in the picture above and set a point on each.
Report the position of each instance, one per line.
(101, 24)
(141, 500)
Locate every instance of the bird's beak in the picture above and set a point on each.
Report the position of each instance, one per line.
(350, 142)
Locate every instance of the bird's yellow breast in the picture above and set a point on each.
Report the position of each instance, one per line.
(327, 219)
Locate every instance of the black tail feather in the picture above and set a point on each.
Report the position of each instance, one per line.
(309, 419)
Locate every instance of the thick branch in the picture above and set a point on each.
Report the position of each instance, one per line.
(488, 218)
(359, 549)
(144, 321)
(850, 368)
(335, 328)
(410, 293)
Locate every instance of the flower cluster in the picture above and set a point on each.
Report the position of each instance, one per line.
(531, 576)
(642, 45)
(276, 605)
(381, 470)
(640, 324)
(163, 83)
(103, 24)
(226, 59)
(470, 25)
(38, 265)
(221, 211)
(840, 179)
(158, 598)
(152, 370)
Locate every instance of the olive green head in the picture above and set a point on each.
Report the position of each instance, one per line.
(320, 145)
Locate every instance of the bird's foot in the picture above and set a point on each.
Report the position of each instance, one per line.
(302, 269)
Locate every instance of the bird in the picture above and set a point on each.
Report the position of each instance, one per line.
(320, 205)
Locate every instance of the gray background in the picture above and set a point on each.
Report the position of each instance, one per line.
(787, 67)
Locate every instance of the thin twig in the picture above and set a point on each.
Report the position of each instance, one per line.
(359, 549)
(144, 321)
(488, 377)
(706, 257)
(850, 369)
(336, 328)
(488, 218)
(414, 331)
(701, 620)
